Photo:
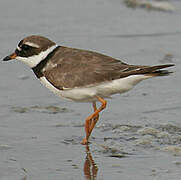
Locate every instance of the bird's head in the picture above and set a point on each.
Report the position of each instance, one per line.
(32, 50)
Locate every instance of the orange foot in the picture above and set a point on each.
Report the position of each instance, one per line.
(84, 141)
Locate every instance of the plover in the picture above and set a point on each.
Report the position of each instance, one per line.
(81, 75)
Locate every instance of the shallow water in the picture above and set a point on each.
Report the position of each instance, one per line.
(138, 135)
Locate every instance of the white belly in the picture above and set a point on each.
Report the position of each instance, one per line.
(106, 89)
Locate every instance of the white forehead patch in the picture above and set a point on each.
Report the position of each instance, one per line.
(32, 44)
(19, 49)
(32, 61)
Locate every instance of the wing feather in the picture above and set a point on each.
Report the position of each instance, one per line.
(77, 68)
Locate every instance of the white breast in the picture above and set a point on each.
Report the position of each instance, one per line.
(106, 89)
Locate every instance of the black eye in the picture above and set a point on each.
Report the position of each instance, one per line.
(25, 47)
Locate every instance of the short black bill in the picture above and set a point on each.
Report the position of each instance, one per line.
(10, 57)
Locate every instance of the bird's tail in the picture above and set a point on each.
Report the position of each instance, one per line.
(157, 70)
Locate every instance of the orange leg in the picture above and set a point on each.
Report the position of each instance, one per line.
(93, 121)
(93, 118)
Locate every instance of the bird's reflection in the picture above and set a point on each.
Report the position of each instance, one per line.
(90, 167)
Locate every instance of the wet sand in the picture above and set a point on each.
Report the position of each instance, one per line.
(138, 135)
